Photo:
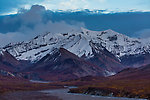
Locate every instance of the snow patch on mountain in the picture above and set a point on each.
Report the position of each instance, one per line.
(108, 73)
(1, 51)
(79, 46)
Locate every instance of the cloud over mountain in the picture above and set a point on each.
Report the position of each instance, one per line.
(29, 23)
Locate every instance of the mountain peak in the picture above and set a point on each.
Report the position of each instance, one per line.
(84, 29)
(110, 30)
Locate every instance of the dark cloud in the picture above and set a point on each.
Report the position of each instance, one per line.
(29, 23)
(127, 23)
(33, 16)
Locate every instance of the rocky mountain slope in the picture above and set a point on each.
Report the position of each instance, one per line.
(63, 65)
(7, 61)
(140, 73)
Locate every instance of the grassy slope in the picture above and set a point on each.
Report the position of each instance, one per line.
(9, 84)
(120, 88)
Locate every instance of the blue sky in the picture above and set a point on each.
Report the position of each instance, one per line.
(12, 6)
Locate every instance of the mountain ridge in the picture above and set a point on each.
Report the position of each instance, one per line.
(108, 51)
(79, 44)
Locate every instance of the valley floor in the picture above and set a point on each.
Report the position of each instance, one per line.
(27, 95)
(58, 94)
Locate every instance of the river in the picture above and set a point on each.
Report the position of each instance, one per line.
(64, 95)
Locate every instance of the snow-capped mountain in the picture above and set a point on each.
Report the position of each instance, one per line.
(119, 44)
(87, 52)
(79, 44)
